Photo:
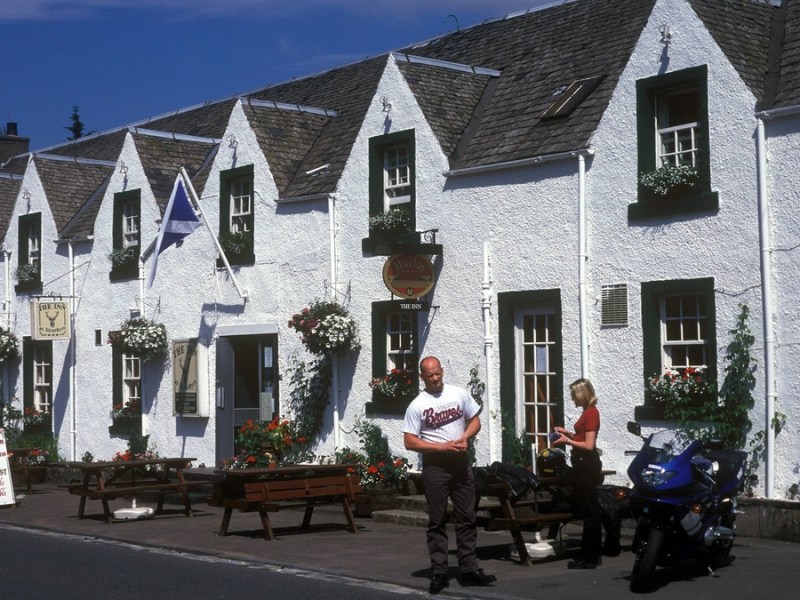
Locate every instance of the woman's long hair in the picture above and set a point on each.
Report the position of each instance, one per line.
(584, 393)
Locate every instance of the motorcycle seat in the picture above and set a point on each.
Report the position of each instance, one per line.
(729, 465)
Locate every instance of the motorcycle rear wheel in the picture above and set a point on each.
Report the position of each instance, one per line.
(646, 559)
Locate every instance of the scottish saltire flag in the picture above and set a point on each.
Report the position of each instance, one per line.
(178, 222)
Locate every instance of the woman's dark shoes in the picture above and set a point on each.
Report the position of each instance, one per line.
(477, 577)
(584, 563)
(439, 581)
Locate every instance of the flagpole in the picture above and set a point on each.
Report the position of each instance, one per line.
(188, 182)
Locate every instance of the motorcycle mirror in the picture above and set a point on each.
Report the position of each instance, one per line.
(634, 428)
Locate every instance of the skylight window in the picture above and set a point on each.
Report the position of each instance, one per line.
(571, 96)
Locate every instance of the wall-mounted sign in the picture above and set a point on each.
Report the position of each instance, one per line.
(408, 275)
(189, 379)
(50, 320)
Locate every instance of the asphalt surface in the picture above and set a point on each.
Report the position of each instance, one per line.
(378, 552)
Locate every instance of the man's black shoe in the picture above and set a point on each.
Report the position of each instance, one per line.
(438, 583)
(611, 550)
(581, 563)
(477, 577)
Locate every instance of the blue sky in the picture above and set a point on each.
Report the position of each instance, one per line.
(122, 61)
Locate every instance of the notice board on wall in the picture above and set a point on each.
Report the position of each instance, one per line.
(6, 485)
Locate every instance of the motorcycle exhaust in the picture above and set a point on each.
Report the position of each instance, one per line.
(719, 534)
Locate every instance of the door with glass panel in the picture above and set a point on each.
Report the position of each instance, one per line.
(537, 375)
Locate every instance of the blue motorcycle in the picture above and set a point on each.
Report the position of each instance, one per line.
(684, 501)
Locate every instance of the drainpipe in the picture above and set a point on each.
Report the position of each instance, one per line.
(583, 257)
(73, 426)
(7, 315)
(335, 286)
(486, 305)
(767, 308)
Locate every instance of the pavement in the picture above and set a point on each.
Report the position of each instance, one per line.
(380, 551)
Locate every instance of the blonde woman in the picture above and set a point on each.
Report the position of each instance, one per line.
(585, 475)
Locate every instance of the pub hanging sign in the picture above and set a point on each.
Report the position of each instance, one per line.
(50, 320)
(409, 275)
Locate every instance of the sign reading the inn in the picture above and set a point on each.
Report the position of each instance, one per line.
(50, 320)
(408, 275)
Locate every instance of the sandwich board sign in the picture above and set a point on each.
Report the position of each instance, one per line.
(6, 485)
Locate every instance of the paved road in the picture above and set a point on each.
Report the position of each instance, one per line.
(383, 554)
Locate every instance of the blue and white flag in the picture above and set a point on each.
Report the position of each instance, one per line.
(179, 221)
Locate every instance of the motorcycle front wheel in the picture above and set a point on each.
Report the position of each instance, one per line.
(646, 559)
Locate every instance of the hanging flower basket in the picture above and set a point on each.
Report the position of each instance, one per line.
(142, 337)
(326, 327)
(9, 345)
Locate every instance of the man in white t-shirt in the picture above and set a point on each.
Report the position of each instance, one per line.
(439, 424)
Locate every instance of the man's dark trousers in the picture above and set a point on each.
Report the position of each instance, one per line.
(448, 475)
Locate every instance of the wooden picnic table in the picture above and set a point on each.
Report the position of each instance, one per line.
(270, 489)
(108, 480)
(531, 513)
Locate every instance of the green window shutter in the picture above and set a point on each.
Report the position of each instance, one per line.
(116, 376)
(27, 372)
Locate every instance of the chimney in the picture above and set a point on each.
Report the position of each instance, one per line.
(11, 144)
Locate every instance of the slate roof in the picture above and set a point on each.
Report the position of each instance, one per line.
(285, 136)
(9, 190)
(743, 29)
(163, 157)
(788, 93)
(69, 185)
(480, 118)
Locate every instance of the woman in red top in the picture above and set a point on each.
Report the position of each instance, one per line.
(585, 475)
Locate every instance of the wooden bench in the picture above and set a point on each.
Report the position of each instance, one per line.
(129, 490)
(272, 496)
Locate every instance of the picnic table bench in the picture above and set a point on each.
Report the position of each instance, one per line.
(272, 496)
(266, 490)
(504, 512)
(128, 479)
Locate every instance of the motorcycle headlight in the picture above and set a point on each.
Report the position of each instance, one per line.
(656, 477)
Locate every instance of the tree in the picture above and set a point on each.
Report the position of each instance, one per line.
(76, 129)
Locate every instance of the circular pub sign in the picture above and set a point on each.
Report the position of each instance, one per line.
(408, 275)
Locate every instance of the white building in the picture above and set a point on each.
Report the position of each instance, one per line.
(518, 147)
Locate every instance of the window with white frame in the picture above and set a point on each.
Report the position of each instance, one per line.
(42, 377)
(684, 331)
(241, 205)
(130, 223)
(678, 328)
(34, 246)
(677, 122)
(397, 176)
(401, 351)
(672, 126)
(132, 380)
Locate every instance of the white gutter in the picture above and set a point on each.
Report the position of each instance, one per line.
(335, 287)
(7, 279)
(73, 358)
(583, 257)
(765, 247)
(516, 164)
(486, 306)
